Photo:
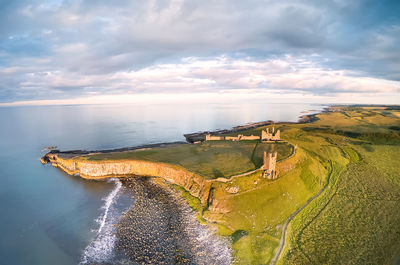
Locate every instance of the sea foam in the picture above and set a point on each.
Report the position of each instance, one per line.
(101, 248)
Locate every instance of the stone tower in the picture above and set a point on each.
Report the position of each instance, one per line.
(270, 165)
(278, 135)
(270, 136)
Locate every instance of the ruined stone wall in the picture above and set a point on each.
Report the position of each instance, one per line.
(209, 137)
(251, 137)
(239, 137)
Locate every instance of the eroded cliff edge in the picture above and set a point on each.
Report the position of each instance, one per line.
(195, 184)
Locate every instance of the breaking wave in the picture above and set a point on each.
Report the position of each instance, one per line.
(101, 248)
(109, 201)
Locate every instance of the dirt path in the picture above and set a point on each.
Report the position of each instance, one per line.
(278, 253)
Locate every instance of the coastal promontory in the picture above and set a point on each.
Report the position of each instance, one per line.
(331, 175)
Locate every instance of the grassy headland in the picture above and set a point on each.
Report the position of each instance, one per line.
(210, 159)
(353, 221)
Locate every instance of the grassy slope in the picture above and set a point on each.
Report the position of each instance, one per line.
(356, 220)
(210, 159)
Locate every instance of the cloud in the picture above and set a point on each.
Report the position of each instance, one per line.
(196, 75)
(55, 48)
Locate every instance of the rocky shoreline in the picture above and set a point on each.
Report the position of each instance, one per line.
(160, 228)
(148, 232)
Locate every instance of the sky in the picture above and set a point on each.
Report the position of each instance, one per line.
(98, 51)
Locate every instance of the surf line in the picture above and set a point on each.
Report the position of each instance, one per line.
(109, 201)
(101, 248)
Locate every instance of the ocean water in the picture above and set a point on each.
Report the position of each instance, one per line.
(48, 217)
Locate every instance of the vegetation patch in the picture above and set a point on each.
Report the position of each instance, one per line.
(374, 137)
(238, 234)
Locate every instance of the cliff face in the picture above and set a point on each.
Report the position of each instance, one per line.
(193, 183)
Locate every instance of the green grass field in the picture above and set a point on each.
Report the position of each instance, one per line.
(210, 159)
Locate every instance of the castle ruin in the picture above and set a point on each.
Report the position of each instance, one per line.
(266, 136)
(270, 165)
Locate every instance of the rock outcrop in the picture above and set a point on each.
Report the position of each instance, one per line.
(195, 184)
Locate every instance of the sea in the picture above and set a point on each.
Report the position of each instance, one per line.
(49, 217)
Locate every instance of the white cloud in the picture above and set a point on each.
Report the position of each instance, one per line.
(284, 77)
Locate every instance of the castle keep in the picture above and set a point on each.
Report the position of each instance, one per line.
(273, 136)
(270, 165)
